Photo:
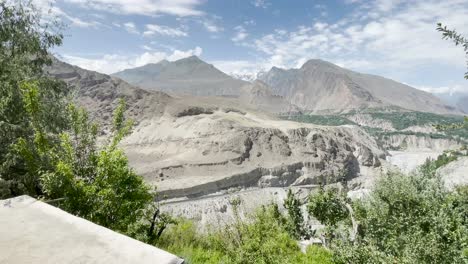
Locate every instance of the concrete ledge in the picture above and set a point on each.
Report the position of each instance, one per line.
(35, 232)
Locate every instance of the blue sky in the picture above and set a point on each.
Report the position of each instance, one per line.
(393, 38)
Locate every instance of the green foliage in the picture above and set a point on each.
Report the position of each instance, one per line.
(451, 127)
(401, 121)
(328, 206)
(430, 166)
(151, 224)
(49, 150)
(95, 184)
(408, 219)
(325, 120)
(458, 39)
(295, 221)
(31, 105)
(318, 255)
(260, 239)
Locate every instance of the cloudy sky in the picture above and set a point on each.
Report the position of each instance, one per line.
(393, 38)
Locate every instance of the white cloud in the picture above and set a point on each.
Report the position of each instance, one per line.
(211, 26)
(457, 88)
(148, 48)
(152, 29)
(49, 11)
(144, 7)
(240, 35)
(179, 54)
(111, 63)
(398, 37)
(131, 28)
(261, 3)
(77, 22)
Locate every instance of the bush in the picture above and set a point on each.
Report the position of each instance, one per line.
(261, 239)
(408, 219)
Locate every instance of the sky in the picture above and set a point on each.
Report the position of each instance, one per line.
(396, 39)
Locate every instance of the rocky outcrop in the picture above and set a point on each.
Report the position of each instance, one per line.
(455, 173)
(195, 155)
(259, 96)
(368, 121)
(418, 142)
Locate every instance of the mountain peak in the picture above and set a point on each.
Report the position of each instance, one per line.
(191, 59)
(186, 76)
(163, 62)
(321, 86)
(319, 63)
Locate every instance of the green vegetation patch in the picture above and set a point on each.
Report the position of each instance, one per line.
(261, 239)
(324, 120)
(403, 120)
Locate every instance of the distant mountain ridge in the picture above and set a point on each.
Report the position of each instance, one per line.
(188, 76)
(317, 87)
(320, 86)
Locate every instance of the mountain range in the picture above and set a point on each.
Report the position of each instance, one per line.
(321, 87)
(317, 87)
(191, 146)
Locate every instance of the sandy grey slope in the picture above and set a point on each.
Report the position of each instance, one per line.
(320, 86)
(259, 95)
(188, 76)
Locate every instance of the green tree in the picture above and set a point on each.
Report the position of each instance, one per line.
(24, 44)
(95, 182)
(328, 206)
(295, 224)
(408, 219)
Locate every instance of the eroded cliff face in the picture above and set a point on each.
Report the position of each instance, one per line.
(202, 152)
(418, 142)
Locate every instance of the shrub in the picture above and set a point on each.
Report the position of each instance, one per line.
(408, 219)
(260, 239)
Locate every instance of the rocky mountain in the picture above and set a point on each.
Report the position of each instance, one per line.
(259, 95)
(188, 76)
(99, 93)
(320, 86)
(191, 146)
(462, 103)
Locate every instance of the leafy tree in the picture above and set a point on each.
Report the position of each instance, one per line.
(24, 44)
(91, 182)
(295, 224)
(408, 219)
(151, 224)
(328, 206)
